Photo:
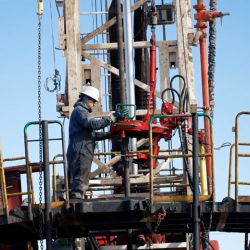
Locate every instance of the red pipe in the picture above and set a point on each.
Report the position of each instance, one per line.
(205, 95)
(203, 16)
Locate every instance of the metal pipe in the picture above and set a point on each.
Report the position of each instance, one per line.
(163, 26)
(203, 173)
(230, 170)
(120, 51)
(130, 87)
(14, 159)
(151, 164)
(242, 183)
(206, 103)
(196, 219)
(54, 176)
(27, 163)
(65, 169)
(48, 230)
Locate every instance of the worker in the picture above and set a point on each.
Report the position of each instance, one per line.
(82, 138)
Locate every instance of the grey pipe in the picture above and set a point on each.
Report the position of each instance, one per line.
(130, 87)
(120, 51)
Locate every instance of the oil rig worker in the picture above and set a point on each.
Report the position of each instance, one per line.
(82, 138)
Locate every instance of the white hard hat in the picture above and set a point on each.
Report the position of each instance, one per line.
(91, 92)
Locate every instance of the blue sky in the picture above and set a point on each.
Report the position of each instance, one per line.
(18, 81)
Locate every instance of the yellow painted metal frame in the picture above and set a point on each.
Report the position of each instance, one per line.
(235, 148)
(187, 198)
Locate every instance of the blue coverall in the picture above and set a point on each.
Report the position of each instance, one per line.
(82, 138)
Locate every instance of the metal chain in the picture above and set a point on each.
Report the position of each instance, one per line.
(40, 132)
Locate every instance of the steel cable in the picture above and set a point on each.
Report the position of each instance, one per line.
(211, 58)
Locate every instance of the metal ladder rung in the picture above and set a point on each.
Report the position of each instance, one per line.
(243, 198)
(243, 155)
(53, 139)
(241, 182)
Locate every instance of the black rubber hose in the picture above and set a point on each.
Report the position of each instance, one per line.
(211, 58)
(184, 92)
(186, 165)
(173, 98)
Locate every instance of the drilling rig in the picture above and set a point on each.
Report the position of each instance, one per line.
(152, 185)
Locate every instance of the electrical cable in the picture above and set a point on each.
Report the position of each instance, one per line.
(208, 243)
(225, 144)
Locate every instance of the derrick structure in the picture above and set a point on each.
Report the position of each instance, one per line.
(153, 188)
(99, 47)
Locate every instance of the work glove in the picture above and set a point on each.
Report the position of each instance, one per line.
(123, 113)
(113, 116)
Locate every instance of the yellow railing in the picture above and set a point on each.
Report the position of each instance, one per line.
(237, 155)
(204, 194)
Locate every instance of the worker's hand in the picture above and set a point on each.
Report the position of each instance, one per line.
(113, 116)
(123, 113)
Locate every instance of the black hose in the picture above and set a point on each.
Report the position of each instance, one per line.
(208, 243)
(184, 96)
(186, 165)
(211, 58)
(173, 97)
(184, 83)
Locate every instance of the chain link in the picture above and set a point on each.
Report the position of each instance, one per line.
(161, 214)
(40, 132)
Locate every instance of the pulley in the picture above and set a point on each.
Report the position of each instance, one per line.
(53, 80)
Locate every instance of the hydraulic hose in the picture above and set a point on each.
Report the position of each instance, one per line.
(173, 96)
(211, 57)
(186, 164)
(184, 92)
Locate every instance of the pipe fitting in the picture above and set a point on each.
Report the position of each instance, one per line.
(198, 35)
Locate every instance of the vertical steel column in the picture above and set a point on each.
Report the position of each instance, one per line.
(48, 232)
(246, 242)
(130, 87)
(196, 219)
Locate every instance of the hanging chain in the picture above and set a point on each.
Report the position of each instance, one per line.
(40, 127)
